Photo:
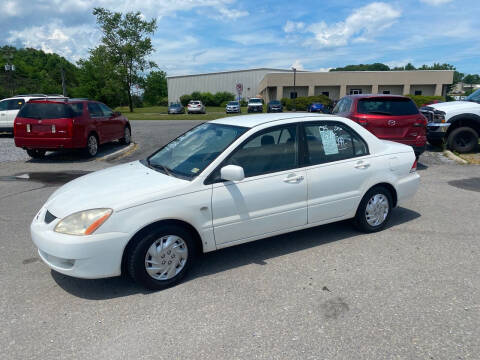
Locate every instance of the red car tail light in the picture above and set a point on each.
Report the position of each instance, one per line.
(414, 166)
(420, 122)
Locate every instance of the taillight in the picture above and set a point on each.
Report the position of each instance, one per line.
(414, 166)
(361, 121)
(420, 122)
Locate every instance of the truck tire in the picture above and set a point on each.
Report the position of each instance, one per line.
(463, 139)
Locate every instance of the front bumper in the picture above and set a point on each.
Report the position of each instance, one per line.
(232, 110)
(89, 257)
(255, 109)
(275, 110)
(437, 131)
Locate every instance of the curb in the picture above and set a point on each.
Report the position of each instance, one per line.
(454, 157)
(118, 153)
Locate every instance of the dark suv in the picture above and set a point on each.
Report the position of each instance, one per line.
(43, 125)
(388, 117)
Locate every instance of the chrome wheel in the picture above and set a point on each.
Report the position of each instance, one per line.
(377, 210)
(166, 257)
(92, 145)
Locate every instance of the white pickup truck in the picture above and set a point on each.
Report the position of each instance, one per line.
(456, 123)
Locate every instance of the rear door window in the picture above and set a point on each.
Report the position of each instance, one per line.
(388, 106)
(3, 105)
(77, 108)
(46, 111)
(15, 104)
(327, 142)
(94, 110)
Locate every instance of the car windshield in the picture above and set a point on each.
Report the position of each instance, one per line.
(255, 101)
(275, 102)
(175, 105)
(46, 111)
(475, 96)
(189, 154)
(233, 103)
(392, 106)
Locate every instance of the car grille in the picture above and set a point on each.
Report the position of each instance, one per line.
(428, 113)
(49, 217)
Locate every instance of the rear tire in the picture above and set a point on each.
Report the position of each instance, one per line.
(92, 146)
(374, 210)
(162, 258)
(463, 139)
(36, 153)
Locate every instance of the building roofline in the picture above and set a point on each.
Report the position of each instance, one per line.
(236, 71)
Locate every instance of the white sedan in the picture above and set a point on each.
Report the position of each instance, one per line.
(222, 183)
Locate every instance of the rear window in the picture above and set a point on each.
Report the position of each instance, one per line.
(46, 111)
(392, 106)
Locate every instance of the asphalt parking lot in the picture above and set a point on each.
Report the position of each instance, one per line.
(411, 291)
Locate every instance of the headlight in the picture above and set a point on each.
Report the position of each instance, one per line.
(439, 116)
(83, 222)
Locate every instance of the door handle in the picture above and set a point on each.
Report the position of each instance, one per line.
(293, 178)
(362, 165)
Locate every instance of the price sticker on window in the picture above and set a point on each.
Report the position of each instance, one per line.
(329, 142)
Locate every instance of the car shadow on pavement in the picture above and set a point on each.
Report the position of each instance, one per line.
(77, 156)
(256, 252)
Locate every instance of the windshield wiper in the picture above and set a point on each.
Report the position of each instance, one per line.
(162, 167)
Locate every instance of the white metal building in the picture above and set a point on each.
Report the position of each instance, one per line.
(218, 81)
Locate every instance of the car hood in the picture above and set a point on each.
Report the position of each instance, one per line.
(455, 105)
(119, 187)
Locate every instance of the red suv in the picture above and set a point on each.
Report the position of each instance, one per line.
(388, 117)
(43, 125)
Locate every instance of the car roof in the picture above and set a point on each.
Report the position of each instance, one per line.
(58, 100)
(251, 121)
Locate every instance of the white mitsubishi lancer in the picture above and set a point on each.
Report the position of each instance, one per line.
(222, 183)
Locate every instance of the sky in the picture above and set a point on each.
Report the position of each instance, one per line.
(198, 36)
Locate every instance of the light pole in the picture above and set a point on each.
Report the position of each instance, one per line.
(294, 89)
(9, 70)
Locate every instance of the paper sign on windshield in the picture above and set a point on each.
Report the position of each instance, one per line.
(329, 142)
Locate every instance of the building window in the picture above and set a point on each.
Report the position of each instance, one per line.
(326, 93)
(418, 92)
(386, 92)
(355, 91)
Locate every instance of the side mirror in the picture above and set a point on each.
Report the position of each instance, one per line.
(232, 173)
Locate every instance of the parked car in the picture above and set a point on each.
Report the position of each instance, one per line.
(389, 117)
(255, 105)
(43, 125)
(10, 107)
(456, 122)
(315, 107)
(274, 106)
(233, 107)
(222, 183)
(176, 108)
(196, 107)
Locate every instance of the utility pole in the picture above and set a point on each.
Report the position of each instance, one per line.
(64, 87)
(294, 89)
(9, 70)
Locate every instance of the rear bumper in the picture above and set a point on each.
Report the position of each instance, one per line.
(44, 143)
(407, 187)
(6, 129)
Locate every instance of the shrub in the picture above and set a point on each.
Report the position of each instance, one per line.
(421, 100)
(208, 99)
(301, 103)
(184, 99)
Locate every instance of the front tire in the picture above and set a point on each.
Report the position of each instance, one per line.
(161, 258)
(463, 139)
(374, 210)
(127, 136)
(36, 153)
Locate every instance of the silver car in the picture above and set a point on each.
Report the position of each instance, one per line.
(196, 107)
(233, 107)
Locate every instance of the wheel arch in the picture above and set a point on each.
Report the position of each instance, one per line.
(390, 188)
(461, 120)
(147, 228)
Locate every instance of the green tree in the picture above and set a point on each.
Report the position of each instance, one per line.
(99, 79)
(155, 87)
(127, 43)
